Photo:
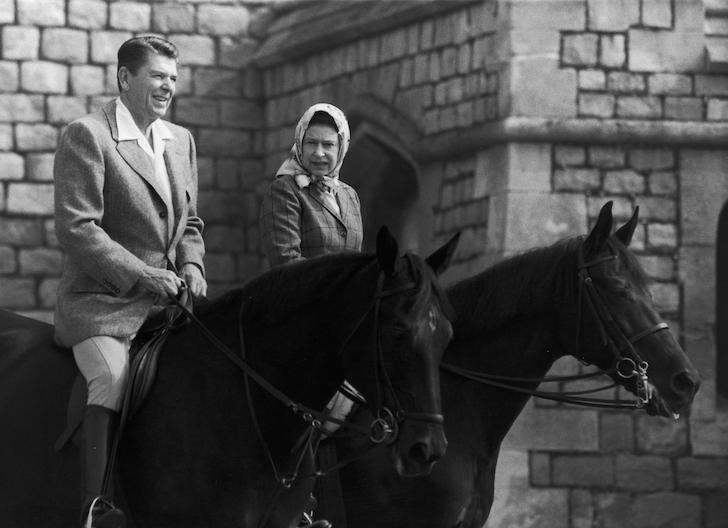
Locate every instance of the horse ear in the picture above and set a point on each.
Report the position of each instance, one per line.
(387, 251)
(603, 228)
(440, 260)
(624, 233)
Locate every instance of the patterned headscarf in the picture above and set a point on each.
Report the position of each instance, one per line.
(293, 164)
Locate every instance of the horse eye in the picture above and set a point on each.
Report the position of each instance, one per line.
(398, 334)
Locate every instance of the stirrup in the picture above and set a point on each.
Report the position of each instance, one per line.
(308, 522)
(106, 515)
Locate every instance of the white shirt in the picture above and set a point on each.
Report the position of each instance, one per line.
(128, 131)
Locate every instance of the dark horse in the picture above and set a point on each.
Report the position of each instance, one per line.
(514, 320)
(191, 456)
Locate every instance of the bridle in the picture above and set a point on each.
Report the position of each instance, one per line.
(627, 362)
(386, 425)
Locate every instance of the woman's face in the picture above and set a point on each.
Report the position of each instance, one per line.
(320, 150)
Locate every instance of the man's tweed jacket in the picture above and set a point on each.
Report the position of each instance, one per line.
(299, 223)
(112, 222)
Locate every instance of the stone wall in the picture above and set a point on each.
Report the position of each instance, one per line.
(58, 62)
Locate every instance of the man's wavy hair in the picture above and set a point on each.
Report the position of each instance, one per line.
(134, 53)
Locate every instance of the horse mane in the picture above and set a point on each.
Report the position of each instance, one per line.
(537, 280)
(272, 291)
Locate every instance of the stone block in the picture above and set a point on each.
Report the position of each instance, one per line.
(669, 84)
(88, 14)
(17, 292)
(715, 509)
(613, 51)
(657, 13)
(13, 166)
(658, 267)
(40, 166)
(41, 12)
(130, 16)
(196, 111)
(663, 183)
(596, 105)
(464, 59)
(6, 136)
(8, 259)
(664, 51)
(612, 15)
(539, 88)
(87, 79)
(65, 45)
(576, 179)
(540, 469)
(626, 82)
(173, 18)
(40, 261)
(689, 109)
(211, 82)
(658, 209)
(435, 67)
(703, 194)
(224, 142)
(220, 267)
(563, 15)
(696, 267)
(647, 158)
(394, 44)
(662, 235)
(34, 137)
(592, 80)
(616, 432)
(711, 85)
(194, 50)
(44, 77)
(237, 52)
(582, 510)
(580, 49)
(631, 107)
(569, 155)
(222, 20)
(717, 109)
(224, 238)
(227, 174)
(517, 504)
(30, 198)
(20, 42)
(21, 232)
(661, 436)
(643, 473)
(709, 437)
(593, 471)
(105, 45)
(448, 62)
(624, 182)
(9, 76)
(695, 474)
(7, 11)
(661, 509)
(62, 110)
(558, 430)
(606, 157)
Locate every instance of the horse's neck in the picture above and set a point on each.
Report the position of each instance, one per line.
(522, 350)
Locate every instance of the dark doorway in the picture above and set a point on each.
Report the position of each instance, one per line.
(721, 305)
(387, 186)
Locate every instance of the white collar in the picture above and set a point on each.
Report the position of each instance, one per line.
(128, 129)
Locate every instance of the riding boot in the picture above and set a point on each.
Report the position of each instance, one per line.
(97, 439)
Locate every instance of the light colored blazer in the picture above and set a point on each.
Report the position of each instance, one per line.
(299, 223)
(112, 222)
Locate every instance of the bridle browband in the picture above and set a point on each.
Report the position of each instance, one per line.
(627, 361)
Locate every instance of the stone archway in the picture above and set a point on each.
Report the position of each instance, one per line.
(387, 184)
(721, 304)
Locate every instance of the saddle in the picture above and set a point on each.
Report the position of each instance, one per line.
(143, 358)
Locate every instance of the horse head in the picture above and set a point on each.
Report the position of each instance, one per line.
(621, 330)
(413, 329)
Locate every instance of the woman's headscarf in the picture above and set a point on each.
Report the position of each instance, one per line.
(293, 164)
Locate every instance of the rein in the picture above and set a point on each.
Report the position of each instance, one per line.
(627, 361)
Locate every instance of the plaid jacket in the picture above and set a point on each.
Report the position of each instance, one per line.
(298, 223)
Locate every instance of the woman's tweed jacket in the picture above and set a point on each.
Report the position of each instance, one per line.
(112, 222)
(299, 223)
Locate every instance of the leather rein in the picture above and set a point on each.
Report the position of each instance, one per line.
(627, 361)
(384, 429)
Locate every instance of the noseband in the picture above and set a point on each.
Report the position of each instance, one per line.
(627, 361)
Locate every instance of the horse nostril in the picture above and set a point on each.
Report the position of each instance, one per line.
(684, 384)
(419, 452)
